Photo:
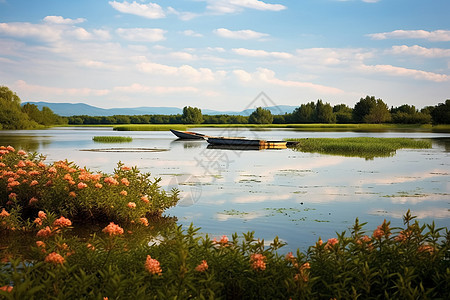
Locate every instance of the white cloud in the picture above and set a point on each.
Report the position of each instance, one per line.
(434, 36)
(44, 91)
(184, 16)
(262, 53)
(233, 6)
(139, 88)
(141, 34)
(420, 51)
(192, 33)
(404, 72)
(239, 34)
(149, 11)
(61, 20)
(185, 71)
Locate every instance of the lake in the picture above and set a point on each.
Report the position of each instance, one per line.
(296, 196)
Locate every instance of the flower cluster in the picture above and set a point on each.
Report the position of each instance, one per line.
(258, 262)
(202, 267)
(153, 266)
(54, 258)
(113, 229)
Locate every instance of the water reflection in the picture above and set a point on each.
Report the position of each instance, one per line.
(297, 196)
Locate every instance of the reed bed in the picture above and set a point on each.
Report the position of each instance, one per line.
(367, 147)
(112, 139)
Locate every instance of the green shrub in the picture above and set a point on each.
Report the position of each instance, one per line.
(112, 139)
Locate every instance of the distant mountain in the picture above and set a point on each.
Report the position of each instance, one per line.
(76, 109)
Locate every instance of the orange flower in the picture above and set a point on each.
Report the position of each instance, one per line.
(52, 170)
(4, 213)
(21, 152)
(145, 199)
(257, 261)
(131, 205)
(113, 229)
(32, 201)
(125, 181)
(38, 221)
(42, 214)
(98, 185)
(144, 221)
(90, 247)
(21, 164)
(68, 177)
(55, 258)
(111, 181)
(12, 196)
(34, 182)
(125, 168)
(62, 222)
(152, 266)
(124, 193)
(40, 244)
(72, 194)
(331, 242)
(6, 288)
(82, 185)
(202, 267)
(10, 148)
(46, 232)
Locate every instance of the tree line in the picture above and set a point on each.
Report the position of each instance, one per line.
(28, 116)
(366, 110)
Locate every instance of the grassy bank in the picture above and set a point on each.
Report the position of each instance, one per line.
(366, 147)
(123, 258)
(112, 139)
(304, 127)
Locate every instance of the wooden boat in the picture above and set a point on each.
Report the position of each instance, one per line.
(244, 147)
(245, 142)
(189, 135)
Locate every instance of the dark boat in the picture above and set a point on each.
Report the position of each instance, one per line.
(189, 135)
(229, 141)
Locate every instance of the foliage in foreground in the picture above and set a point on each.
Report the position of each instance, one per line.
(392, 263)
(367, 147)
(28, 184)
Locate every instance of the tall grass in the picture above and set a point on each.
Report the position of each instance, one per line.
(112, 139)
(367, 147)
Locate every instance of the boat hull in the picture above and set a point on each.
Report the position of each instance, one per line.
(188, 135)
(245, 142)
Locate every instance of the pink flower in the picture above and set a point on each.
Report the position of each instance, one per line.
(131, 205)
(202, 267)
(152, 266)
(113, 229)
(12, 196)
(62, 222)
(82, 185)
(54, 258)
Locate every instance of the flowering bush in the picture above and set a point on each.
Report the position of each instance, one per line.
(28, 185)
(123, 260)
(400, 263)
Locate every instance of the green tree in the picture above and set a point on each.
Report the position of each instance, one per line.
(408, 114)
(306, 113)
(371, 110)
(192, 115)
(11, 114)
(324, 113)
(260, 116)
(343, 114)
(441, 113)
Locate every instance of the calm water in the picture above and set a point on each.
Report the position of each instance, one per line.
(297, 196)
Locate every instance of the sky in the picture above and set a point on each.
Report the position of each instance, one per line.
(225, 54)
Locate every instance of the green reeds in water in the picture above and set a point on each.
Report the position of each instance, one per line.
(366, 147)
(112, 139)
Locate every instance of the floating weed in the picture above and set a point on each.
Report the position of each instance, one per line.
(112, 139)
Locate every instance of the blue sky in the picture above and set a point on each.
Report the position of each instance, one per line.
(220, 54)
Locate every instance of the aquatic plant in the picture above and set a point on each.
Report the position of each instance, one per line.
(366, 147)
(112, 139)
